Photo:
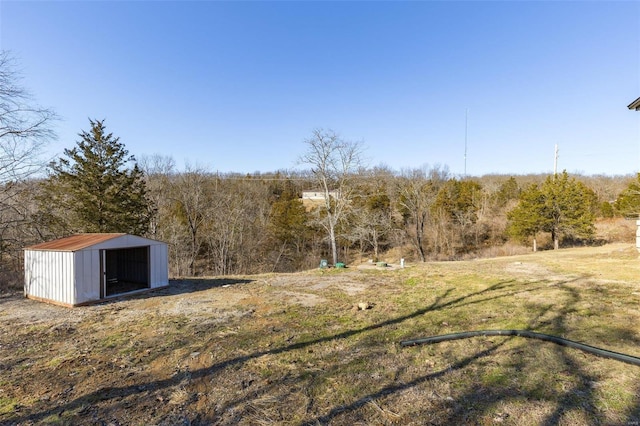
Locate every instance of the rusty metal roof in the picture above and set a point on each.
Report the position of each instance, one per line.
(635, 105)
(74, 242)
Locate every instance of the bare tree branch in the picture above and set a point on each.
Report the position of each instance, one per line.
(25, 128)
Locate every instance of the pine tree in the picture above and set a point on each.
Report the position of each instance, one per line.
(288, 219)
(457, 199)
(628, 202)
(561, 206)
(96, 187)
(508, 191)
(527, 219)
(569, 207)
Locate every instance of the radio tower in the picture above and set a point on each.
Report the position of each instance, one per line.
(466, 123)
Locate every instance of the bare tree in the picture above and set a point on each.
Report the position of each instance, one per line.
(371, 227)
(191, 195)
(158, 171)
(417, 193)
(24, 127)
(235, 232)
(333, 162)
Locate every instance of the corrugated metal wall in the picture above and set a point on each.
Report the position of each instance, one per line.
(50, 275)
(159, 258)
(87, 279)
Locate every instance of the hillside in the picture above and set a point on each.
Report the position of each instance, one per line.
(296, 349)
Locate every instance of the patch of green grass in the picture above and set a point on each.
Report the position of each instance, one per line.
(36, 328)
(148, 322)
(495, 377)
(412, 281)
(7, 405)
(114, 340)
(615, 398)
(266, 372)
(64, 418)
(55, 361)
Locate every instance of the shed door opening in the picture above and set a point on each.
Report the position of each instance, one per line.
(126, 270)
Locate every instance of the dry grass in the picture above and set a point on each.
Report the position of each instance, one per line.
(291, 349)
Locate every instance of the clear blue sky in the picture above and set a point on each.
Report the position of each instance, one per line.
(238, 86)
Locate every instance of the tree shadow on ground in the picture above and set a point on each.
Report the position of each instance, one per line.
(387, 390)
(119, 392)
(633, 418)
(578, 395)
(241, 405)
(192, 285)
(177, 287)
(11, 296)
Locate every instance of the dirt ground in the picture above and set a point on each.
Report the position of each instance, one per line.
(49, 355)
(321, 347)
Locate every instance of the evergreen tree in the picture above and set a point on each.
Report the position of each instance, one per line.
(371, 220)
(628, 202)
(527, 219)
(607, 210)
(96, 187)
(288, 218)
(569, 207)
(508, 191)
(561, 206)
(457, 199)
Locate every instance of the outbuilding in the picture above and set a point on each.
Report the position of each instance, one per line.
(88, 268)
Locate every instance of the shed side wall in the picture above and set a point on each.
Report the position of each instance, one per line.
(49, 275)
(87, 284)
(159, 265)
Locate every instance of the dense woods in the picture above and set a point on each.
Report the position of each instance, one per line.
(242, 224)
(222, 224)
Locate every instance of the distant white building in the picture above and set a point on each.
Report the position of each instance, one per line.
(317, 194)
(86, 268)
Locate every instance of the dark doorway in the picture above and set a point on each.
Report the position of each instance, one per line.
(126, 270)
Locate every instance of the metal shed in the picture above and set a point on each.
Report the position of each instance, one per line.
(87, 268)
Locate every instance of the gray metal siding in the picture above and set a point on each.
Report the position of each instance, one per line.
(158, 258)
(50, 275)
(87, 283)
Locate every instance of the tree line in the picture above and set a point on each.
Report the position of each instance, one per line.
(242, 224)
(224, 224)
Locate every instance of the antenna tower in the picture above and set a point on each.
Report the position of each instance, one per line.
(466, 125)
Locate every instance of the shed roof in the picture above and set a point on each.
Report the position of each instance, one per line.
(75, 242)
(635, 105)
